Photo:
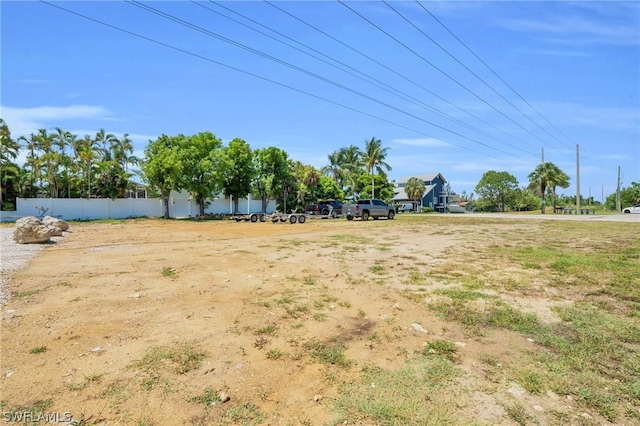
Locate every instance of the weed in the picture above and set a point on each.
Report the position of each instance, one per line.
(518, 414)
(270, 330)
(245, 414)
(361, 313)
(168, 272)
(320, 316)
(38, 350)
(444, 348)
(182, 358)
(378, 269)
(327, 354)
(261, 342)
(297, 311)
(208, 397)
(274, 354)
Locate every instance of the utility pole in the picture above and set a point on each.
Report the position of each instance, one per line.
(542, 154)
(618, 207)
(577, 178)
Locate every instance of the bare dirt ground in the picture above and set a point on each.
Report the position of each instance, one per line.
(215, 322)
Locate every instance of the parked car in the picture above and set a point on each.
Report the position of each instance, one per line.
(405, 207)
(330, 208)
(634, 209)
(369, 207)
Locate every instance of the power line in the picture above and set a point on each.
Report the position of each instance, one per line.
(299, 69)
(252, 74)
(469, 70)
(443, 72)
(494, 73)
(381, 84)
(399, 75)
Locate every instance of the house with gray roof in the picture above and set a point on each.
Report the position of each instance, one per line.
(434, 194)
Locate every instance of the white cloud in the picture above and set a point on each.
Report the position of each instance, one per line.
(24, 121)
(421, 142)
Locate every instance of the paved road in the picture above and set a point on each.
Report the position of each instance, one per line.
(632, 218)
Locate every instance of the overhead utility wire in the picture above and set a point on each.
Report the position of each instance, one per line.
(252, 74)
(299, 69)
(399, 75)
(469, 70)
(386, 87)
(494, 73)
(444, 73)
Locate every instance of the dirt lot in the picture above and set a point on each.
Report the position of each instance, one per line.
(147, 322)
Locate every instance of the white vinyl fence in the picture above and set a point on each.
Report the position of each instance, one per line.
(180, 206)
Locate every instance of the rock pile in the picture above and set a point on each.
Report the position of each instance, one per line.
(31, 230)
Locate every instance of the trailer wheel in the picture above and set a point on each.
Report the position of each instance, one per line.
(263, 218)
(283, 219)
(349, 217)
(254, 218)
(302, 219)
(293, 219)
(238, 219)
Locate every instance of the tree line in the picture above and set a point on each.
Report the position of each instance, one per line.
(60, 164)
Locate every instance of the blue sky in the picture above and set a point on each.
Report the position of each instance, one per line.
(312, 77)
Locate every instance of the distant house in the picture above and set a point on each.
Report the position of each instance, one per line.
(434, 196)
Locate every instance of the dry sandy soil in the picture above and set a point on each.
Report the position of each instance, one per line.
(215, 322)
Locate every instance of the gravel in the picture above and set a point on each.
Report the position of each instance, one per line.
(13, 257)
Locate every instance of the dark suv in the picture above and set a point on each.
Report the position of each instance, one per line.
(332, 208)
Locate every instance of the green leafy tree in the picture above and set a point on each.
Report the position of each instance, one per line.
(202, 165)
(547, 175)
(272, 169)
(629, 196)
(328, 189)
(378, 185)
(525, 200)
(162, 167)
(239, 171)
(9, 171)
(374, 156)
(414, 188)
(497, 189)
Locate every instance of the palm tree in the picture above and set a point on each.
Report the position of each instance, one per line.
(548, 175)
(415, 190)
(334, 168)
(373, 156)
(8, 152)
(351, 163)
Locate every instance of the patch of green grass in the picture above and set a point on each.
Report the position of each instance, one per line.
(444, 348)
(309, 280)
(407, 396)
(320, 316)
(208, 397)
(270, 330)
(245, 414)
(327, 353)
(518, 414)
(352, 239)
(296, 311)
(38, 350)
(180, 358)
(378, 269)
(169, 272)
(27, 293)
(274, 354)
